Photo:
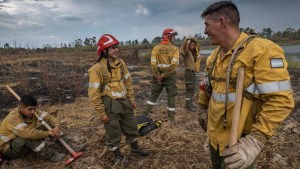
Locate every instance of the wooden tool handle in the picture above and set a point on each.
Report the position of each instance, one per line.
(237, 107)
(42, 121)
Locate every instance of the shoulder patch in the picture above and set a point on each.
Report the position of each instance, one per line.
(276, 63)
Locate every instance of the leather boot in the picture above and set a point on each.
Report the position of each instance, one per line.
(135, 148)
(119, 159)
(171, 115)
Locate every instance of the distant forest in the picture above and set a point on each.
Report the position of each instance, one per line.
(288, 36)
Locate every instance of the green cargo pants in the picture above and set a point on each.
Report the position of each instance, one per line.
(190, 83)
(121, 120)
(218, 161)
(170, 84)
(21, 146)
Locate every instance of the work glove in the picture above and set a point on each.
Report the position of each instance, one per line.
(202, 119)
(242, 154)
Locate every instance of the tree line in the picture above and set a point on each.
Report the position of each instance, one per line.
(289, 34)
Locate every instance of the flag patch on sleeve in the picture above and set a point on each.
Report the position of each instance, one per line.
(277, 63)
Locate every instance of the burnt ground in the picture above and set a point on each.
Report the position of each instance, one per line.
(181, 146)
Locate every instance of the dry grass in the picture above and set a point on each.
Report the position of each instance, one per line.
(181, 146)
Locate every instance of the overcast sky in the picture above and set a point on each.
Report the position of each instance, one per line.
(38, 22)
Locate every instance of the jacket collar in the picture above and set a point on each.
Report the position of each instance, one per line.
(117, 62)
(242, 36)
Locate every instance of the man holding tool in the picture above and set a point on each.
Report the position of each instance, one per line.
(19, 134)
(266, 99)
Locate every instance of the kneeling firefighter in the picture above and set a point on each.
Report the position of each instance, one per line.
(112, 96)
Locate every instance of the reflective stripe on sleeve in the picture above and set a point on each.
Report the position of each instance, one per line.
(39, 147)
(175, 60)
(127, 76)
(163, 65)
(220, 97)
(94, 85)
(20, 126)
(153, 60)
(41, 117)
(269, 87)
(4, 138)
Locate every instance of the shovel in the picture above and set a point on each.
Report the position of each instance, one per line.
(74, 154)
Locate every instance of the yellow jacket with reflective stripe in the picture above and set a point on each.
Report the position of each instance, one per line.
(117, 86)
(164, 59)
(191, 60)
(266, 76)
(14, 125)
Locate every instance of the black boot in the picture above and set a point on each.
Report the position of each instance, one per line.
(135, 148)
(119, 159)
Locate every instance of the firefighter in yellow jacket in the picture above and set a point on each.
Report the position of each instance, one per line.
(112, 96)
(164, 61)
(267, 96)
(190, 51)
(19, 135)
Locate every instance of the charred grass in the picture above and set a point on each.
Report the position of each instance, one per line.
(61, 79)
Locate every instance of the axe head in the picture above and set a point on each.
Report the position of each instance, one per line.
(75, 155)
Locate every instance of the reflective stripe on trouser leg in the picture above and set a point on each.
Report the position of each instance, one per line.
(41, 149)
(20, 145)
(155, 92)
(172, 92)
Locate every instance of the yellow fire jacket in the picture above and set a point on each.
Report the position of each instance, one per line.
(266, 79)
(15, 126)
(191, 59)
(164, 59)
(116, 85)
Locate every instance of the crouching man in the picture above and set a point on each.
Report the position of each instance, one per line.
(19, 134)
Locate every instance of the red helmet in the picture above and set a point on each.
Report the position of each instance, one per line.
(169, 31)
(105, 42)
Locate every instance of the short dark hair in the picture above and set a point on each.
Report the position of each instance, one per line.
(27, 100)
(223, 8)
